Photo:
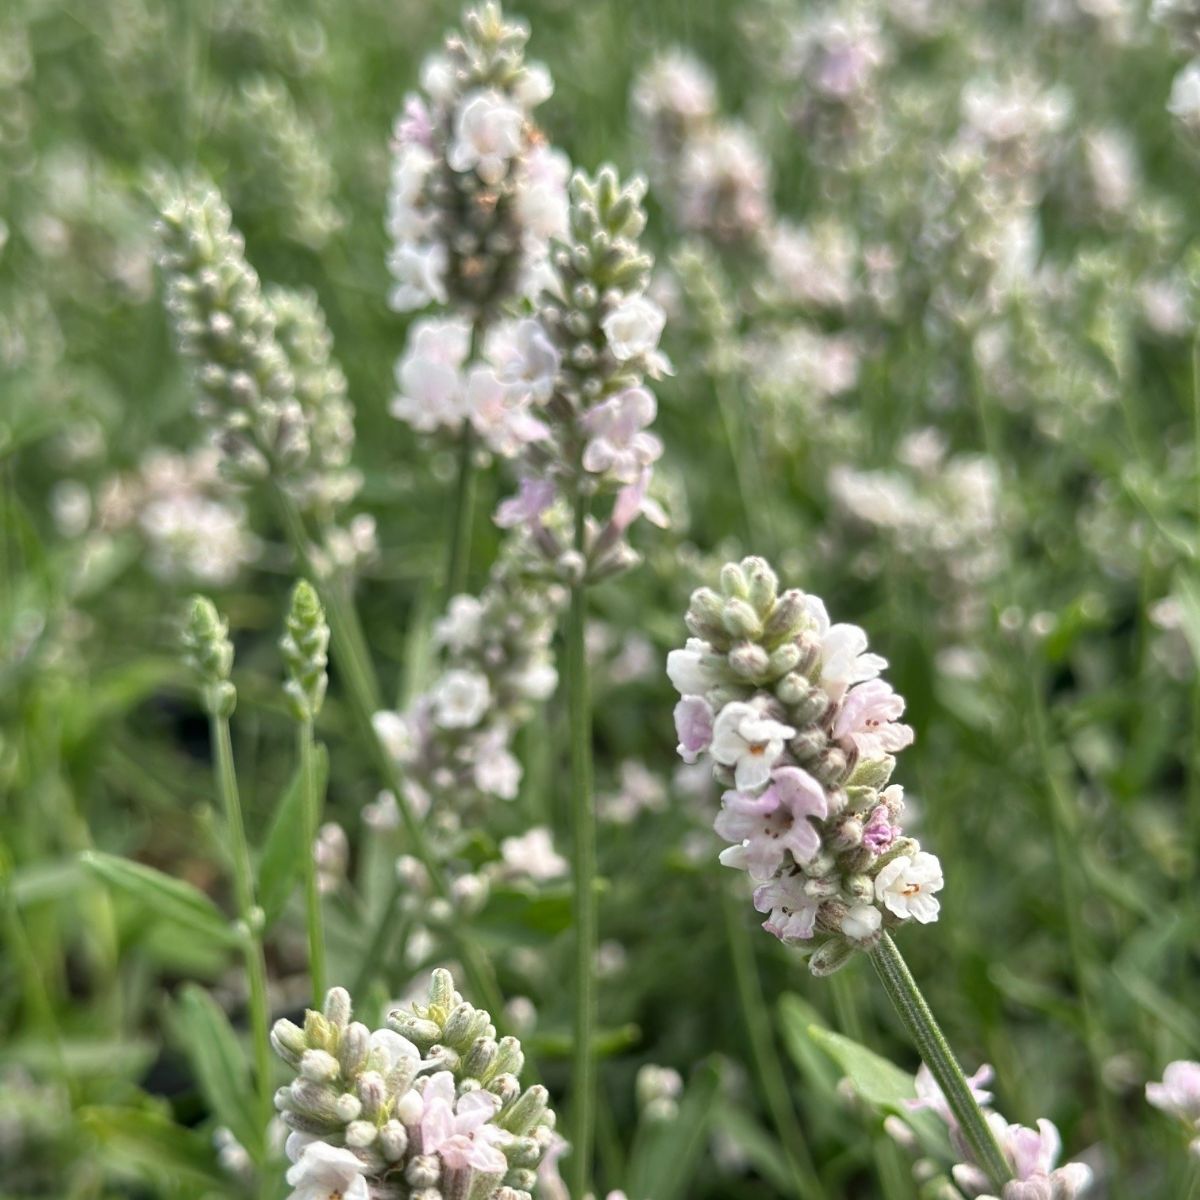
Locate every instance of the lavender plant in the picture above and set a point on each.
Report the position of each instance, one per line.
(428, 1105)
(791, 711)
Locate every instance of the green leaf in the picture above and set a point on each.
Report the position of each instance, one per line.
(220, 1065)
(82, 1057)
(162, 898)
(146, 1142)
(876, 1080)
(284, 850)
(38, 883)
(759, 1148)
(881, 1083)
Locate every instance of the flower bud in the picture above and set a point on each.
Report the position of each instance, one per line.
(360, 1134)
(425, 1170)
(288, 1041)
(349, 1107)
(704, 617)
(479, 1060)
(320, 1066)
(786, 619)
(734, 584)
(832, 956)
(782, 660)
(526, 1112)
(749, 661)
(355, 1048)
(305, 646)
(372, 1093)
(393, 1141)
(762, 584)
(740, 620)
(416, 1029)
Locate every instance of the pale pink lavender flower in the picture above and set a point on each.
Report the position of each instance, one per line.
(618, 444)
(1179, 1092)
(457, 1128)
(748, 742)
(694, 726)
(325, 1172)
(767, 827)
(867, 719)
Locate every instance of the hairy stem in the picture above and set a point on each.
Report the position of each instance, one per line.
(251, 918)
(459, 553)
(583, 830)
(312, 893)
(931, 1044)
(362, 693)
(756, 1018)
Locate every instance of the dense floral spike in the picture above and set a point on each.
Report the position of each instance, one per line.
(583, 359)
(713, 173)
(209, 652)
(454, 741)
(269, 389)
(1032, 1154)
(791, 711)
(428, 1108)
(284, 167)
(475, 190)
(305, 646)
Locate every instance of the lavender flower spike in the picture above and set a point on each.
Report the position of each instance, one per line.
(799, 725)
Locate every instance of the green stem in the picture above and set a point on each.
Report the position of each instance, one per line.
(463, 511)
(583, 830)
(758, 1025)
(251, 918)
(936, 1054)
(362, 692)
(312, 893)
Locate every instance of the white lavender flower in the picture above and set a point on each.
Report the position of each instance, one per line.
(430, 1105)
(474, 193)
(1032, 1154)
(453, 741)
(270, 392)
(1178, 1095)
(585, 358)
(791, 711)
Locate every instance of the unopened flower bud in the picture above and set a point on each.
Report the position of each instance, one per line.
(740, 619)
(786, 619)
(288, 1041)
(320, 1066)
(749, 661)
(372, 1093)
(354, 1049)
(349, 1107)
(527, 1111)
(733, 582)
(393, 1141)
(423, 1171)
(479, 1060)
(305, 646)
(830, 957)
(360, 1134)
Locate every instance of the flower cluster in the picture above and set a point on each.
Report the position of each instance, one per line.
(1032, 1154)
(1178, 1095)
(583, 359)
(941, 513)
(475, 190)
(453, 741)
(269, 389)
(798, 725)
(282, 163)
(427, 1108)
(713, 172)
(193, 532)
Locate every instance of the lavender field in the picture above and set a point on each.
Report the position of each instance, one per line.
(599, 600)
